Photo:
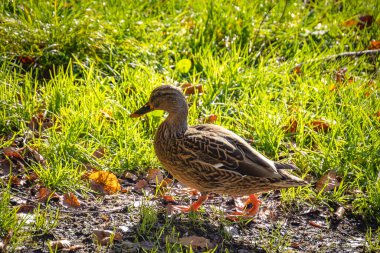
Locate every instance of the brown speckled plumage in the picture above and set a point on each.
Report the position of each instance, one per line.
(210, 158)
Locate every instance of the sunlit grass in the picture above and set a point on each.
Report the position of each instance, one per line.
(95, 62)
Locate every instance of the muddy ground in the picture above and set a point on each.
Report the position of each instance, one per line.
(128, 216)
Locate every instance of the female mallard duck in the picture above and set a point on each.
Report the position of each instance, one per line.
(211, 158)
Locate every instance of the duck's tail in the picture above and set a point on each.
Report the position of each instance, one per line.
(288, 180)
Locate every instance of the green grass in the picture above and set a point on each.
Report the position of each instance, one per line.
(95, 62)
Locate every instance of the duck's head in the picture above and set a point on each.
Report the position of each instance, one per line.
(167, 98)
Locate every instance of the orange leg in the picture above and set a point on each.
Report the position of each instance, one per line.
(247, 213)
(195, 206)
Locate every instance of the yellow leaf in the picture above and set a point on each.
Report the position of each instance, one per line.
(105, 181)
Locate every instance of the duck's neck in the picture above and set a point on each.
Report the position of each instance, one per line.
(176, 123)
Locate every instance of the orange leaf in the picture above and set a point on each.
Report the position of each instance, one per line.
(327, 182)
(211, 119)
(168, 198)
(166, 182)
(321, 125)
(350, 23)
(70, 200)
(12, 152)
(44, 195)
(190, 89)
(292, 126)
(375, 44)
(104, 182)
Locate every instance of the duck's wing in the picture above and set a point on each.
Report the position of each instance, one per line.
(224, 150)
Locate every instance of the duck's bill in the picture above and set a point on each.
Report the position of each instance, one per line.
(140, 112)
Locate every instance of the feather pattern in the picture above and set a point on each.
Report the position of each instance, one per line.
(211, 158)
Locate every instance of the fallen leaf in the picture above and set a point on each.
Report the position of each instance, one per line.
(25, 208)
(340, 75)
(211, 119)
(142, 183)
(28, 60)
(105, 237)
(69, 200)
(154, 175)
(60, 244)
(12, 152)
(327, 182)
(196, 242)
(105, 182)
(40, 122)
(6, 240)
(190, 89)
(166, 182)
(361, 22)
(350, 23)
(320, 125)
(168, 198)
(99, 153)
(339, 213)
(44, 195)
(365, 20)
(31, 177)
(73, 248)
(315, 224)
(130, 176)
(16, 181)
(375, 44)
(297, 70)
(37, 156)
(292, 126)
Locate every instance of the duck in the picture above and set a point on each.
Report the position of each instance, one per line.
(210, 158)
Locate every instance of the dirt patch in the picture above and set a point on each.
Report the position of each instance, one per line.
(143, 223)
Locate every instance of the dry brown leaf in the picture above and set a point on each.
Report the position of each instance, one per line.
(44, 195)
(73, 248)
(12, 152)
(365, 20)
(168, 198)
(315, 224)
(99, 153)
(69, 200)
(320, 125)
(37, 156)
(129, 175)
(190, 89)
(60, 244)
(375, 44)
(154, 175)
(16, 181)
(339, 213)
(362, 22)
(142, 183)
(327, 182)
(292, 126)
(40, 122)
(104, 237)
(25, 208)
(196, 242)
(211, 119)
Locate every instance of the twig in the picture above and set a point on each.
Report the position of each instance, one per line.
(344, 54)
